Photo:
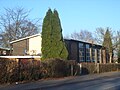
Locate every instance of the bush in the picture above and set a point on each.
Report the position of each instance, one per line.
(8, 71)
(14, 71)
(30, 69)
(88, 68)
(109, 67)
(55, 68)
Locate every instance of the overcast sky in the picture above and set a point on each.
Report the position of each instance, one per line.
(75, 15)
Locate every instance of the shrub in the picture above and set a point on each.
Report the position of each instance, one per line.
(88, 68)
(29, 69)
(55, 68)
(8, 71)
(12, 71)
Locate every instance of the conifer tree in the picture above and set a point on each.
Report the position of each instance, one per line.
(56, 46)
(108, 44)
(46, 35)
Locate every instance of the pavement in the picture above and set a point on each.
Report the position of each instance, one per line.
(50, 83)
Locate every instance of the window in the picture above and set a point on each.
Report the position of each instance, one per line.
(93, 54)
(87, 46)
(81, 52)
(81, 45)
(87, 52)
(98, 55)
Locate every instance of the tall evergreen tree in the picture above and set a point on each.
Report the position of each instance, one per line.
(108, 44)
(46, 35)
(56, 43)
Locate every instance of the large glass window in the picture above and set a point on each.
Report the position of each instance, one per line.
(81, 52)
(98, 55)
(87, 52)
(93, 54)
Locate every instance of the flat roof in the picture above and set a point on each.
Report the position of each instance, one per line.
(82, 42)
(25, 38)
(20, 56)
(4, 48)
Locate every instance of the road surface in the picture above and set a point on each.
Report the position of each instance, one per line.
(104, 81)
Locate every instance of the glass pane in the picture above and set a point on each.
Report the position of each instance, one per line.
(87, 46)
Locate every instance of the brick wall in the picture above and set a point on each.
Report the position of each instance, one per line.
(72, 48)
(20, 47)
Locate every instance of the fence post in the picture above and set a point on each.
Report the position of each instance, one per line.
(71, 70)
(80, 65)
(98, 68)
(117, 66)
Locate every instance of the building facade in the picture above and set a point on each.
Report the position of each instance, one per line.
(85, 52)
(77, 50)
(30, 45)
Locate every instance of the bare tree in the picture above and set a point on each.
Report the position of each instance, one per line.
(116, 46)
(115, 36)
(14, 24)
(116, 39)
(100, 33)
(83, 35)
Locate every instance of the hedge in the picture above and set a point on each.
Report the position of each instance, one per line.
(12, 70)
(31, 69)
(91, 68)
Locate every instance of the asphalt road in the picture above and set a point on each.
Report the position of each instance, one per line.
(104, 81)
